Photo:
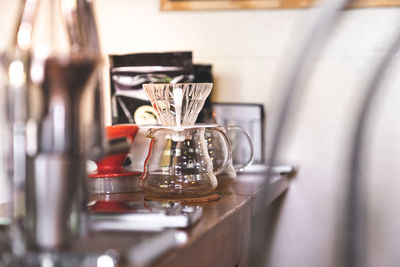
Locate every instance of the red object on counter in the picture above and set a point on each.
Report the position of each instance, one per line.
(109, 206)
(112, 166)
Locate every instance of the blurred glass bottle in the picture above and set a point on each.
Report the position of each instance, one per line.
(55, 110)
(5, 183)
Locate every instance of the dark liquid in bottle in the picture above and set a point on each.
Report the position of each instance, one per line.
(62, 89)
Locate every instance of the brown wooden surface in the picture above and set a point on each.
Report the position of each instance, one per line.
(221, 237)
(186, 200)
(261, 4)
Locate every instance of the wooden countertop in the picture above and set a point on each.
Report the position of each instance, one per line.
(220, 238)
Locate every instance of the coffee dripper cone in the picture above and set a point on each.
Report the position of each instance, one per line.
(178, 104)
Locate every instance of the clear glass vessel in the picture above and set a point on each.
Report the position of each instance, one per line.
(240, 140)
(178, 162)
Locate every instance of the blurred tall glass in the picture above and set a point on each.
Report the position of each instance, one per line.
(53, 94)
(5, 182)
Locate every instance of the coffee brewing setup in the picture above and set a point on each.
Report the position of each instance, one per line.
(54, 125)
(54, 113)
(55, 116)
(178, 163)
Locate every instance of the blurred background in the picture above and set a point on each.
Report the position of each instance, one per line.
(247, 49)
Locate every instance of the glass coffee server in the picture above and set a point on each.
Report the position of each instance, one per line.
(178, 162)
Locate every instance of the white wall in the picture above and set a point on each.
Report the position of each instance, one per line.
(247, 49)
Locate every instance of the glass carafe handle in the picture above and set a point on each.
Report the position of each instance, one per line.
(228, 156)
(241, 166)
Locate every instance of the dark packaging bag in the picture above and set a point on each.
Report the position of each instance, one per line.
(128, 73)
(203, 74)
